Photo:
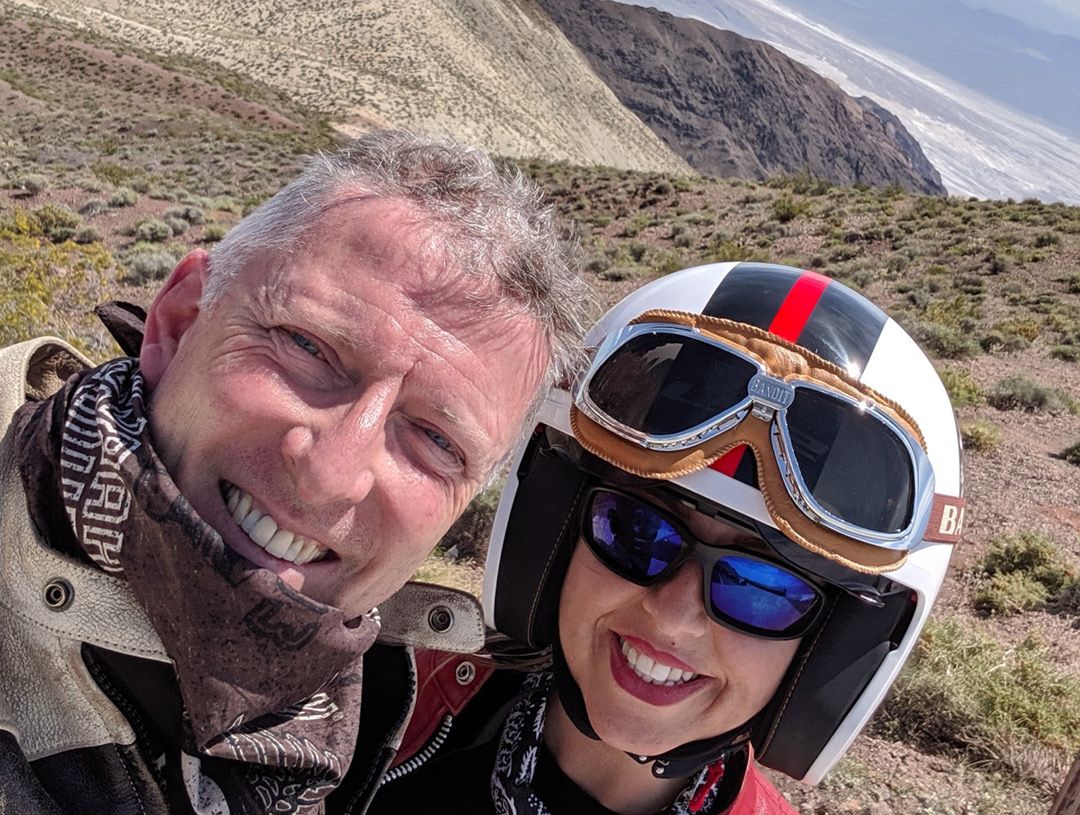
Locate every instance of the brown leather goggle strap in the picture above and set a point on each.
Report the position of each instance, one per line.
(754, 434)
(785, 360)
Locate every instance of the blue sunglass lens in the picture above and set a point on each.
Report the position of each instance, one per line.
(760, 595)
(633, 535)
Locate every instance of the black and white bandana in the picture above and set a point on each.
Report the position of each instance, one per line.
(519, 750)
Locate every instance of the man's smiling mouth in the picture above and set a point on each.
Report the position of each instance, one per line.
(264, 531)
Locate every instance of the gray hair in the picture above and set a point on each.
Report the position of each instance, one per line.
(495, 223)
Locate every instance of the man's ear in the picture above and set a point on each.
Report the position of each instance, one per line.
(171, 314)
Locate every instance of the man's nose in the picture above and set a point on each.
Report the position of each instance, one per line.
(335, 453)
(676, 603)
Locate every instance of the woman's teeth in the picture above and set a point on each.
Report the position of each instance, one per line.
(651, 671)
(263, 530)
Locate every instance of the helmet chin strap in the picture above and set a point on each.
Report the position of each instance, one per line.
(678, 762)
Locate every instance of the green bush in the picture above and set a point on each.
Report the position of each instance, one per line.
(963, 693)
(943, 340)
(214, 232)
(146, 262)
(193, 215)
(1009, 593)
(87, 234)
(31, 183)
(178, 226)
(785, 209)
(961, 387)
(93, 207)
(56, 222)
(980, 436)
(1022, 572)
(124, 197)
(1072, 454)
(153, 231)
(1020, 393)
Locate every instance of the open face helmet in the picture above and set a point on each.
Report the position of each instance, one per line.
(781, 401)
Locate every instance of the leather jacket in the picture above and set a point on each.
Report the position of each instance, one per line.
(89, 705)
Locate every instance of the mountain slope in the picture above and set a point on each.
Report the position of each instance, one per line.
(494, 72)
(738, 107)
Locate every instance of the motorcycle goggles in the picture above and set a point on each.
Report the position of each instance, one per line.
(741, 590)
(842, 469)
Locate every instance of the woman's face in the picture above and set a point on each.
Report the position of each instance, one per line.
(611, 629)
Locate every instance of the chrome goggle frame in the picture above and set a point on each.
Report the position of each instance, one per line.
(767, 398)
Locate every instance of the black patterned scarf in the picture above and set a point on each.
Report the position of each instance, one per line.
(270, 679)
(520, 750)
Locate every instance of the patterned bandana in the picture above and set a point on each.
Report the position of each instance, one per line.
(270, 679)
(519, 750)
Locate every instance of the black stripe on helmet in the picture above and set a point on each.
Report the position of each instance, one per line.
(843, 328)
(751, 293)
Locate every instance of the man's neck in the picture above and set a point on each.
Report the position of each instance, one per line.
(607, 774)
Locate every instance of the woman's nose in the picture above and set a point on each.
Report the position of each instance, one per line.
(676, 603)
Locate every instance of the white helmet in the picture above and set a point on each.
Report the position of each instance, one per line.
(876, 522)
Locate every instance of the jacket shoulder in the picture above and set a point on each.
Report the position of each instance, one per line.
(758, 796)
(35, 369)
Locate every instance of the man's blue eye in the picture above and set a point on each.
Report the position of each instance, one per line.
(440, 440)
(306, 344)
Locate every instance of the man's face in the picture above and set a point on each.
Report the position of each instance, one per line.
(351, 391)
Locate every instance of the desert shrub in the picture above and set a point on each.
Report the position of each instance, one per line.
(1009, 593)
(31, 183)
(153, 231)
(1020, 393)
(1072, 454)
(94, 206)
(1046, 239)
(214, 232)
(56, 222)
(963, 693)
(1021, 572)
(996, 264)
(943, 340)
(86, 234)
(785, 209)
(148, 263)
(1066, 353)
(41, 282)
(962, 387)
(1072, 284)
(124, 197)
(193, 215)
(980, 436)
(178, 226)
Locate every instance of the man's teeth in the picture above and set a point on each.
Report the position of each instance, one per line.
(264, 531)
(651, 671)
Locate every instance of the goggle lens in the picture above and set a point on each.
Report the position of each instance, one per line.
(662, 384)
(639, 543)
(837, 446)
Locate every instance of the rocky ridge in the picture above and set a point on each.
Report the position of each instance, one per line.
(737, 107)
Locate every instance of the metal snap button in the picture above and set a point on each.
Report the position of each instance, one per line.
(441, 619)
(465, 673)
(58, 594)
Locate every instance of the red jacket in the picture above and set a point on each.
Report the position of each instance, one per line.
(446, 683)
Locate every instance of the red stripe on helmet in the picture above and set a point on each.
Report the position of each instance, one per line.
(788, 324)
(797, 307)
